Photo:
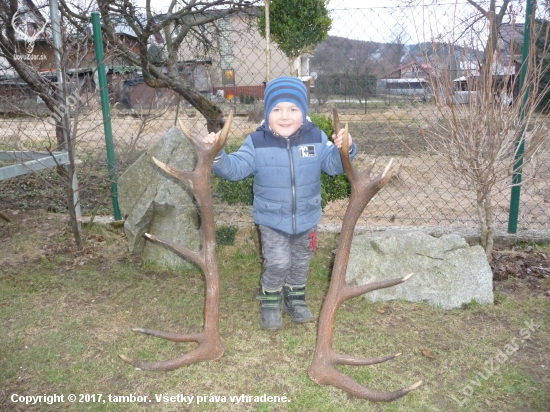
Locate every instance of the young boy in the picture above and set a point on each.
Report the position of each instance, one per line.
(286, 155)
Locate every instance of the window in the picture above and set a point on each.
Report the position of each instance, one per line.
(228, 76)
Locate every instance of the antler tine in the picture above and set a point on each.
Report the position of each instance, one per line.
(203, 352)
(181, 175)
(210, 345)
(349, 292)
(185, 130)
(388, 167)
(209, 151)
(184, 252)
(335, 120)
(340, 359)
(39, 32)
(15, 28)
(344, 150)
(224, 134)
(386, 174)
(339, 380)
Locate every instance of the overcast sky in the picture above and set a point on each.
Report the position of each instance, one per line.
(381, 20)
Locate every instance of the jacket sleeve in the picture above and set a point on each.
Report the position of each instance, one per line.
(332, 161)
(238, 165)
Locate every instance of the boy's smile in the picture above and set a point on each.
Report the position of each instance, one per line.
(285, 119)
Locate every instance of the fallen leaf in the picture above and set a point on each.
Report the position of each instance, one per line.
(381, 310)
(427, 353)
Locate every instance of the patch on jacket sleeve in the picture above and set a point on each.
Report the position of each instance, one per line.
(307, 151)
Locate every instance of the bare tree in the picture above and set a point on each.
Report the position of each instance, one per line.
(480, 138)
(396, 48)
(494, 14)
(54, 95)
(477, 26)
(162, 37)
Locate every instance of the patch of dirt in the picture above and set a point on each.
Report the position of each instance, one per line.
(423, 192)
(38, 234)
(45, 190)
(525, 263)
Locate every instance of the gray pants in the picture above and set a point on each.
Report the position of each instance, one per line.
(286, 257)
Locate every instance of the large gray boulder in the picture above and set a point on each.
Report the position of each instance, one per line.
(156, 203)
(447, 271)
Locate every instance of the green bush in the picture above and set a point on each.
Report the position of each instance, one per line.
(332, 187)
(233, 193)
(240, 192)
(323, 122)
(225, 235)
(245, 99)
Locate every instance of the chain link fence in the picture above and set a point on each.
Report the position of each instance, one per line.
(372, 69)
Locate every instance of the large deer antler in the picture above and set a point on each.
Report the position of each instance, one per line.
(210, 346)
(322, 370)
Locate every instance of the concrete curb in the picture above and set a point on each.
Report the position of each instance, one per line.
(470, 234)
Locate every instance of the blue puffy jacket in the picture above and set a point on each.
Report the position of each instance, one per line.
(287, 175)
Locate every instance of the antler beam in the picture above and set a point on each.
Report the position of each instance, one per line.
(322, 370)
(210, 346)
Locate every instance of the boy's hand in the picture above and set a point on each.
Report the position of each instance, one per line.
(211, 138)
(339, 139)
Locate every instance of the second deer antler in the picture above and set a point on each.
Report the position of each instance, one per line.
(322, 370)
(210, 346)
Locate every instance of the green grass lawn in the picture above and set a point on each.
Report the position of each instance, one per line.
(66, 316)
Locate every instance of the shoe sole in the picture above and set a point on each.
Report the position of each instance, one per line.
(285, 310)
(273, 328)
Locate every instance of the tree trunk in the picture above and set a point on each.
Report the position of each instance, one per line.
(490, 230)
(485, 216)
(75, 225)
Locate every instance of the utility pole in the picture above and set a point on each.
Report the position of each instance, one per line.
(68, 143)
(267, 44)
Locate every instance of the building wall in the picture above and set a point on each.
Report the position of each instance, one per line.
(249, 53)
(241, 48)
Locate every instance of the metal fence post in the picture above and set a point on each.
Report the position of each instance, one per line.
(104, 95)
(520, 144)
(68, 141)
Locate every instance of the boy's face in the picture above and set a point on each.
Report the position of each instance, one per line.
(285, 118)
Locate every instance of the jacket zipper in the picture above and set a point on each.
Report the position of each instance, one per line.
(293, 186)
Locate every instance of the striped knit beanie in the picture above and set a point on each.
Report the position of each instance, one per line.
(285, 89)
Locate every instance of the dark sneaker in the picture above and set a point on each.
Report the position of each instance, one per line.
(295, 303)
(270, 309)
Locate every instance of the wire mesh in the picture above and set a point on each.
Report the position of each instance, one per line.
(371, 68)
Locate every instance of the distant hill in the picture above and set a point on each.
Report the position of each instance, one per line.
(342, 55)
